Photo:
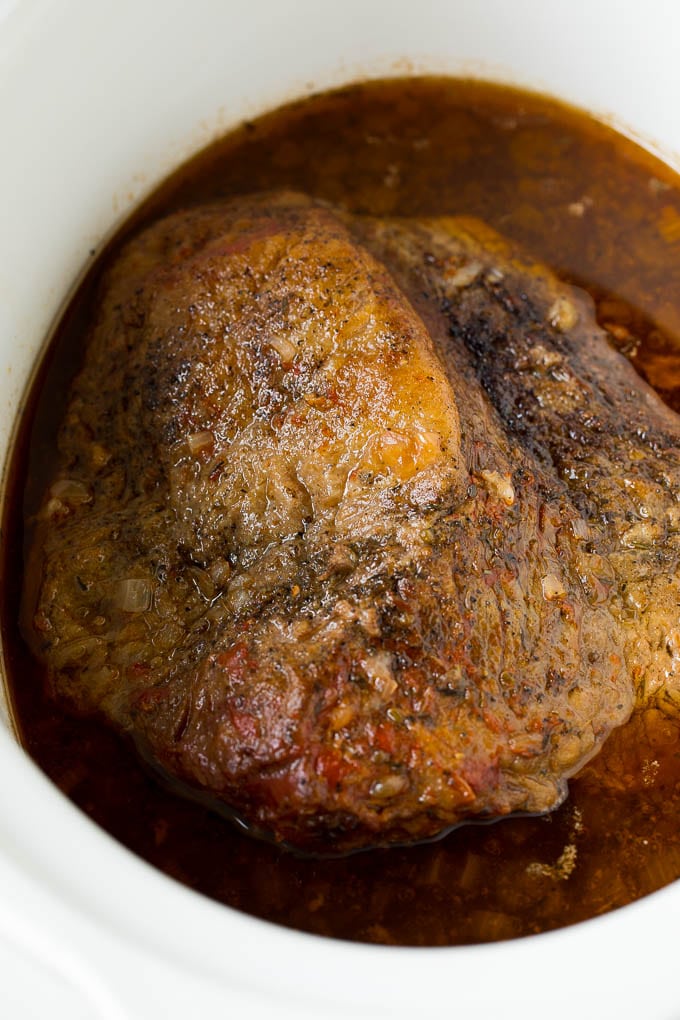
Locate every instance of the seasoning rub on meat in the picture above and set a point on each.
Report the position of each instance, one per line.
(360, 529)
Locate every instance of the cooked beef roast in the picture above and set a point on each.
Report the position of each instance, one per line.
(360, 528)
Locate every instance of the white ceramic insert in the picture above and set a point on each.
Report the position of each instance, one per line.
(99, 101)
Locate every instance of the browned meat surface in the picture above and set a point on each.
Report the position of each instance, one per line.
(360, 529)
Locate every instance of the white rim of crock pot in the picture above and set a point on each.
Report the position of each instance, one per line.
(612, 960)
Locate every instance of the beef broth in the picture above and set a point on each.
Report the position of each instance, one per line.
(600, 212)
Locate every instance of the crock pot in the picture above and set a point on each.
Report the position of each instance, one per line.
(98, 102)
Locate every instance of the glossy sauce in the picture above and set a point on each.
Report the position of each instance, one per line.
(603, 214)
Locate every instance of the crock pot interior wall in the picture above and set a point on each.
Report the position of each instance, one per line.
(97, 103)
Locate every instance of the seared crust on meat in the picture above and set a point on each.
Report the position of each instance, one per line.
(349, 520)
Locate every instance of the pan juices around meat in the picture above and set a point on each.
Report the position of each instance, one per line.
(360, 529)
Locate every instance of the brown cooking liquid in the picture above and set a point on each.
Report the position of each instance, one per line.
(602, 213)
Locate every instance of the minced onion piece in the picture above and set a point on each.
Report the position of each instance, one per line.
(390, 786)
(285, 349)
(464, 275)
(378, 668)
(133, 595)
(199, 441)
(562, 314)
(220, 572)
(580, 529)
(494, 275)
(498, 484)
(70, 492)
(552, 587)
